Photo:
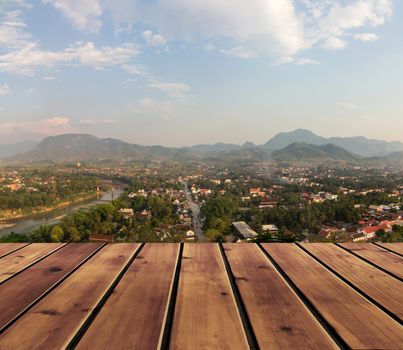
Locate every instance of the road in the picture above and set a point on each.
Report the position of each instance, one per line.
(197, 222)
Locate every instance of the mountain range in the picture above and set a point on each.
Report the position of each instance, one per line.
(299, 146)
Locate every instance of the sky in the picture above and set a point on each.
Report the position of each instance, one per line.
(183, 72)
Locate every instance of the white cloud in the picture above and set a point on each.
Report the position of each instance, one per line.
(25, 60)
(175, 90)
(305, 61)
(153, 39)
(366, 37)
(239, 52)
(84, 14)
(334, 43)
(13, 32)
(347, 105)
(48, 78)
(97, 122)
(4, 89)
(44, 127)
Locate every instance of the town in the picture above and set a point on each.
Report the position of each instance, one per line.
(194, 203)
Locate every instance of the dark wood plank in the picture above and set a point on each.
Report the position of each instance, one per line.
(21, 259)
(21, 291)
(53, 322)
(206, 315)
(133, 317)
(360, 323)
(279, 318)
(378, 285)
(395, 247)
(378, 256)
(7, 248)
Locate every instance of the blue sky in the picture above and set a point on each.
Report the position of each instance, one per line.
(181, 72)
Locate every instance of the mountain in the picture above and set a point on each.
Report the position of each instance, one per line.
(82, 147)
(9, 150)
(303, 153)
(284, 139)
(205, 150)
(359, 145)
(248, 145)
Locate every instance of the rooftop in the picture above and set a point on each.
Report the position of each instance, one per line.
(201, 296)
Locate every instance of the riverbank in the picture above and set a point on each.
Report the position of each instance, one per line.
(7, 216)
(27, 224)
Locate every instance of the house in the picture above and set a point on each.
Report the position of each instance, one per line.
(146, 214)
(254, 190)
(190, 235)
(370, 231)
(127, 213)
(327, 231)
(270, 228)
(331, 197)
(244, 230)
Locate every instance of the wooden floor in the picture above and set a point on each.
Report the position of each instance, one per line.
(201, 296)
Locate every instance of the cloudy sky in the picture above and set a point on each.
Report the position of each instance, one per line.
(180, 72)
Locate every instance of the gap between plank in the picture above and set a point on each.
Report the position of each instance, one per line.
(370, 262)
(388, 249)
(311, 307)
(167, 325)
(351, 285)
(50, 289)
(13, 251)
(72, 343)
(248, 330)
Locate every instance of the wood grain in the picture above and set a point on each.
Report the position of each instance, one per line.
(53, 322)
(206, 315)
(360, 323)
(279, 318)
(22, 258)
(7, 248)
(133, 316)
(381, 287)
(22, 290)
(378, 256)
(395, 247)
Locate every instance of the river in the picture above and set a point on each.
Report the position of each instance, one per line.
(29, 224)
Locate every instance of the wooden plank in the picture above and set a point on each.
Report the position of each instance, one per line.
(279, 318)
(206, 315)
(145, 287)
(53, 322)
(378, 256)
(395, 247)
(378, 285)
(21, 259)
(7, 248)
(21, 291)
(360, 323)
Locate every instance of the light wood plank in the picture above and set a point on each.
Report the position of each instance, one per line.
(21, 259)
(360, 323)
(206, 315)
(53, 322)
(380, 286)
(378, 256)
(279, 318)
(7, 248)
(133, 317)
(395, 247)
(21, 291)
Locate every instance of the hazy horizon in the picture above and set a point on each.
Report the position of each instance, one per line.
(180, 73)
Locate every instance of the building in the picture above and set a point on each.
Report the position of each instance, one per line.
(244, 230)
(270, 228)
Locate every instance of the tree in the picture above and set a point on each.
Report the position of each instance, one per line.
(57, 234)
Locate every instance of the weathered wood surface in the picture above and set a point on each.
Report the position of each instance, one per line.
(53, 322)
(145, 287)
(360, 323)
(278, 317)
(394, 247)
(132, 296)
(22, 258)
(378, 256)
(7, 248)
(206, 316)
(22, 290)
(381, 287)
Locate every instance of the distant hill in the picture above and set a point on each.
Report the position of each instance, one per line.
(205, 150)
(82, 147)
(9, 150)
(303, 153)
(358, 145)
